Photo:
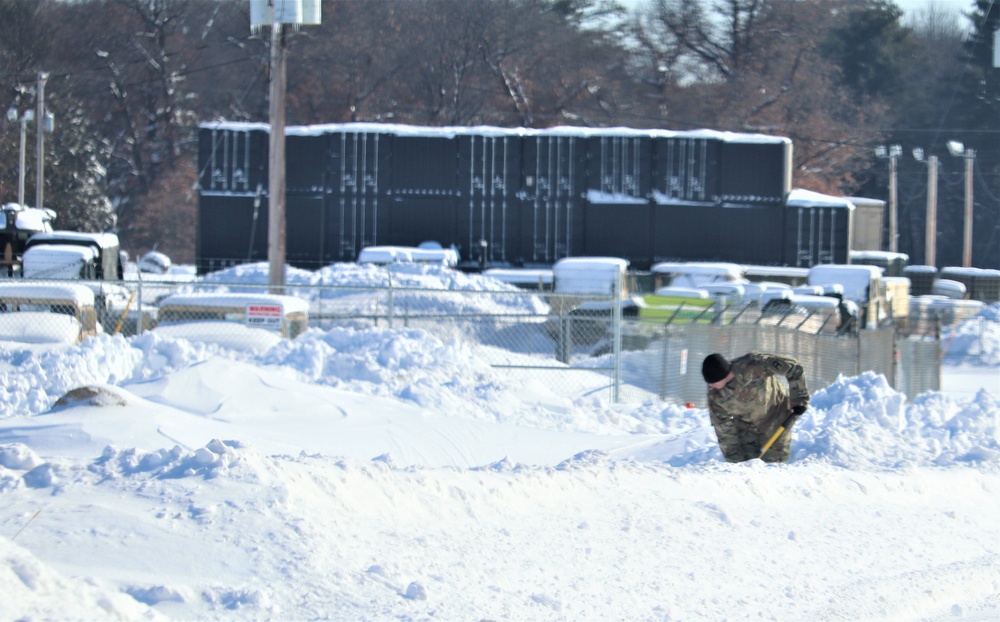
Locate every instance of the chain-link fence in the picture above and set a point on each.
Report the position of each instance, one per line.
(550, 337)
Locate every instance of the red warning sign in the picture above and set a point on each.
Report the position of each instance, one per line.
(264, 316)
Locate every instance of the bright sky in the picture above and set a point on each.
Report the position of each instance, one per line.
(386, 474)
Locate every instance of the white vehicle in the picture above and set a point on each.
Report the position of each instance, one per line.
(696, 274)
(233, 320)
(862, 285)
(155, 262)
(36, 313)
(591, 276)
(71, 254)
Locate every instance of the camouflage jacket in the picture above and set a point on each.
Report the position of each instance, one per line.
(754, 403)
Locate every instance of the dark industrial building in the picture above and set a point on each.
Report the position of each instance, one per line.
(523, 197)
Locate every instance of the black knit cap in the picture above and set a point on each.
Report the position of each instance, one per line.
(715, 368)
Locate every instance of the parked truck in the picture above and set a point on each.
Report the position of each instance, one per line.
(92, 257)
(878, 298)
(17, 225)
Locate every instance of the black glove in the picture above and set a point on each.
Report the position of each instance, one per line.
(796, 413)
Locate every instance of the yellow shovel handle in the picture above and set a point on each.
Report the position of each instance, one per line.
(771, 440)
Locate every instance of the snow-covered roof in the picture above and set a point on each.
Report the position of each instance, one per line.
(588, 275)
(155, 262)
(485, 130)
(879, 256)
(682, 292)
(854, 278)
(289, 304)
(807, 198)
(45, 261)
(730, 271)
(81, 295)
(521, 276)
(408, 254)
(598, 197)
(949, 288)
(103, 240)
(969, 272)
(776, 271)
(27, 218)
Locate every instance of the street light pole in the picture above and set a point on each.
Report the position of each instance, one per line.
(956, 148)
(40, 128)
(892, 154)
(970, 156)
(20, 167)
(21, 119)
(930, 230)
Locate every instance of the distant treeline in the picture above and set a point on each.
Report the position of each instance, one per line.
(128, 82)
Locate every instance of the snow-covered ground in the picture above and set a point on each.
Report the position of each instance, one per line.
(375, 474)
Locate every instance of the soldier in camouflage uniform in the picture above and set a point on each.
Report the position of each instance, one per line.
(747, 403)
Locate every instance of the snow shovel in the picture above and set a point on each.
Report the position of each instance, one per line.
(787, 423)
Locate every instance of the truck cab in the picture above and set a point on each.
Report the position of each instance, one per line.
(73, 255)
(17, 225)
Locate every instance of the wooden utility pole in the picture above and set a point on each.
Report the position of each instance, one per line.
(275, 14)
(276, 170)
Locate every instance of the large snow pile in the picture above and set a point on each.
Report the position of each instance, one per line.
(377, 474)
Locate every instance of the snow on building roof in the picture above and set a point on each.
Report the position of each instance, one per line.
(807, 198)
(480, 130)
(599, 197)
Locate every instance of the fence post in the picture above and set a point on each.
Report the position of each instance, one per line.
(665, 373)
(616, 345)
(564, 340)
(390, 310)
(138, 322)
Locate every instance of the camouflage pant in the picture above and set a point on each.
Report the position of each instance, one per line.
(748, 444)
